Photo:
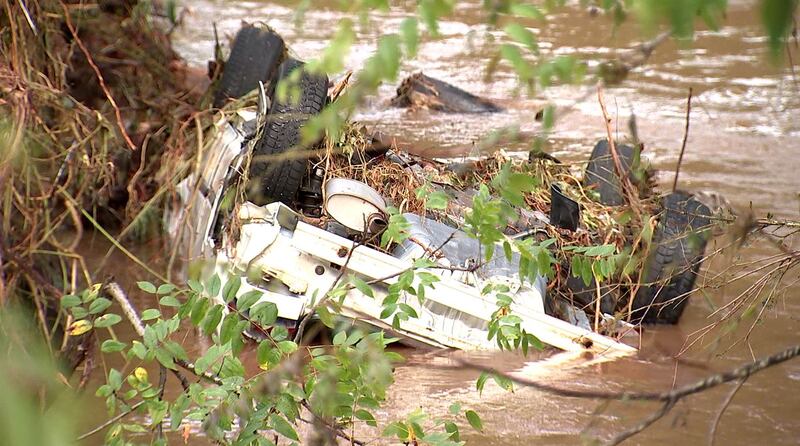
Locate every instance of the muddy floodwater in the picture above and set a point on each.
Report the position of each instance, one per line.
(743, 143)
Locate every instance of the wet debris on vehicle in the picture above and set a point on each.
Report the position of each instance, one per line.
(420, 91)
(590, 210)
(612, 251)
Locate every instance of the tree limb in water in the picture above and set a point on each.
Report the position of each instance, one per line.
(669, 398)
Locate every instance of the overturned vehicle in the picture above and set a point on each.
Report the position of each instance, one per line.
(309, 229)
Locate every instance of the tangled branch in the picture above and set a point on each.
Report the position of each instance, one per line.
(670, 398)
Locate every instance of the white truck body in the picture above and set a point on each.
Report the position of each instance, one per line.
(294, 264)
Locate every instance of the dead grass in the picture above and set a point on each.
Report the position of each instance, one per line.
(99, 119)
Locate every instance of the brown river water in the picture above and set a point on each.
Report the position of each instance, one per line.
(743, 143)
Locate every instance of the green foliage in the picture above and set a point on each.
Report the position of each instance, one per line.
(506, 327)
(397, 230)
(598, 262)
(28, 378)
(777, 16)
(420, 428)
(347, 381)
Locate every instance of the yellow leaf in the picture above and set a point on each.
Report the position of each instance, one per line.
(141, 374)
(80, 327)
(93, 291)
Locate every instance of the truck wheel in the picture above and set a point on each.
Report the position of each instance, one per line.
(255, 55)
(601, 175)
(275, 172)
(676, 253)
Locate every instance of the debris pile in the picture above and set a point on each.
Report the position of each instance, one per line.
(406, 182)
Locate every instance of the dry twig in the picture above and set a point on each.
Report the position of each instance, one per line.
(685, 137)
(100, 79)
(625, 181)
(712, 433)
(669, 398)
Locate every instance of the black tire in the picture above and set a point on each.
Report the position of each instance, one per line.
(280, 179)
(601, 175)
(670, 272)
(255, 55)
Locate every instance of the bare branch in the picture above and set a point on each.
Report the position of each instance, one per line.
(111, 421)
(685, 138)
(100, 79)
(712, 433)
(741, 373)
(710, 382)
(644, 424)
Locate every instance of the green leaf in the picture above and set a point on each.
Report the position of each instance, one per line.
(199, 310)
(107, 320)
(398, 429)
(534, 341)
(601, 250)
(503, 382)
(170, 301)
(279, 332)
(365, 415)
(212, 319)
(408, 309)
(524, 10)
(423, 262)
(231, 288)
(481, 382)
(522, 35)
(454, 408)
(214, 354)
(263, 352)
(178, 408)
(165, 358)
(287, 347)
(362, 286)
(70, 300)
(247, 300)
(114, 379)
(452, 429)
(777, 16)
(138, 349)
(338, 48)
(196, 286)
(409, 31)
(385, 63)
(437, 200)
(147, 287)
(432, 10)
(213, 285)
(397, 231)
(229, 328)
(512, 54)
(281, 426)
(166, 288)
(265, 313)
(548, 116)
(326, 317)
(339, 338)
(112, 346)
(150, 313)
(474, 420)
(353, 338)
(99, 305)
(388, 310)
